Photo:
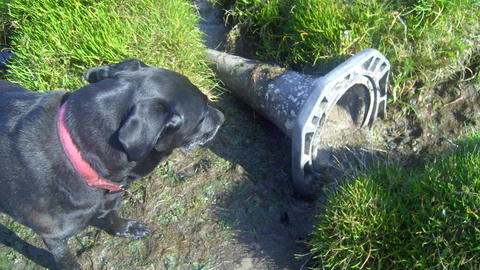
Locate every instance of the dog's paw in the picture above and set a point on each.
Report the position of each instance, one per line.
(134, 230)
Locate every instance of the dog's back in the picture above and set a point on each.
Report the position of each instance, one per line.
(10, 87)
(26, 123)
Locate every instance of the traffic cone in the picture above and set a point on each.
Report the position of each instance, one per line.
(311, 110)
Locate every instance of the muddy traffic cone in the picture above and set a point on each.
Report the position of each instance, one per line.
(312, 110)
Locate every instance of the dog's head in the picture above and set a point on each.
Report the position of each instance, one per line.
(166, 111)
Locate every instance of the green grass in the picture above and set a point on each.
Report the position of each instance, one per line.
(55, 41)
(394, 217)
(426, 41)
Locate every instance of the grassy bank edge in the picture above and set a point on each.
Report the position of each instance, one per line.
(56, 41)
(399, 216)
(427, 42)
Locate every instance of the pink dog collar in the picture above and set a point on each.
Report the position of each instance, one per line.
(78, 162)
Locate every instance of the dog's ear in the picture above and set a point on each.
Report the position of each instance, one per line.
(142, 128)
(96, 74)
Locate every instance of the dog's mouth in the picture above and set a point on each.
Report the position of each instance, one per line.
(202, 140)
(211, 123)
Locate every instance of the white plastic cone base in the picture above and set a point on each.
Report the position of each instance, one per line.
(363, 79)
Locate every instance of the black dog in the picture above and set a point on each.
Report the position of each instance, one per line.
(66, 157)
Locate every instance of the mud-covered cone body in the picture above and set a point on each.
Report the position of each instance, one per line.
(350, 96)
(276, 93)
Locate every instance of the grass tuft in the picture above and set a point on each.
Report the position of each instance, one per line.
(423, 217)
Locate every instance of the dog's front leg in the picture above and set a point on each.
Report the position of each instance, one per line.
(124, 227)
(63, 257)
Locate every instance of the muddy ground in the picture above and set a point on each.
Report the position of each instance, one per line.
(231, 204)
